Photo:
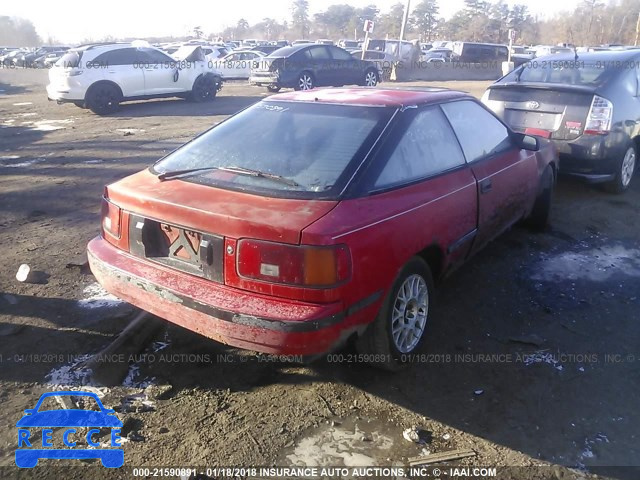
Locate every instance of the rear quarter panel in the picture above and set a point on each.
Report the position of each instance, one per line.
(385, 230)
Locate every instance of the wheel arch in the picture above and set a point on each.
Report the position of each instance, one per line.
(434, 256)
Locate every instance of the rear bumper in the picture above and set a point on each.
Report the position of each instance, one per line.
(593, 158)
(228, 315)
(65, 94)
(264, 80)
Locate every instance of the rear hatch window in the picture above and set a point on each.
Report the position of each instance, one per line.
(294, 149)
(565, 72)
(69, 60)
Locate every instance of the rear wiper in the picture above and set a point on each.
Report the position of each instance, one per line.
(232, 169)
(179, 173)
(257, 173)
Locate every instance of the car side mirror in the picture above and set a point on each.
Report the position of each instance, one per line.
(528, 142)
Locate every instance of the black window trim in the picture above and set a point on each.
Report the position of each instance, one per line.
(363, 187)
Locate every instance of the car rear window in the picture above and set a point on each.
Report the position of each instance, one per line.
(314, 147)
(69, 60)
(566, 72)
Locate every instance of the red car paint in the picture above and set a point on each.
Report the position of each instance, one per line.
(452, 215)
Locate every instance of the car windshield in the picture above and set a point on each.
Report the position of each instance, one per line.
(567, 72)
(303, 150)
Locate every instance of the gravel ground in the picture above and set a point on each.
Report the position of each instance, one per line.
(531, 358)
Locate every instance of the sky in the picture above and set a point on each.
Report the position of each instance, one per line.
(70, 21)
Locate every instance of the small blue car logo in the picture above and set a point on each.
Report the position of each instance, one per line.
(69, 419)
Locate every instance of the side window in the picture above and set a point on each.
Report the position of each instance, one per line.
(302, 56)
(340, 54)
(320, 53)
(428, 147)
(101, 60)
(123, 56)
(479, 132)
(148, 55)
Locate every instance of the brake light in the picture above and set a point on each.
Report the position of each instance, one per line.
(599, 118)
(304, 265)
(111, 218)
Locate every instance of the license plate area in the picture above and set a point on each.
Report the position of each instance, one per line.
(180, 248)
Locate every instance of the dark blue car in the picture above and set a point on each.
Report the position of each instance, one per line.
(311, 65)
(70, 419)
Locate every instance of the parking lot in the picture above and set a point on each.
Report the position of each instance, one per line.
(532, 356)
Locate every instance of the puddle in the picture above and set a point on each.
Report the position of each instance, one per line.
(98, 297)
(349, 443)
(597, 264)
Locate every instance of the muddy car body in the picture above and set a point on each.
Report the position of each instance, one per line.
(328, 240)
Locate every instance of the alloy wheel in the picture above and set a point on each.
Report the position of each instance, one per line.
(305, 82)
(628, 166)
(370, 79)
(410, 312)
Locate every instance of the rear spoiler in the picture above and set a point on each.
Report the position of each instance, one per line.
(547, 86)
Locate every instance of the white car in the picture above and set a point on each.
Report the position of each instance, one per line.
(100, 76)
(238, 65)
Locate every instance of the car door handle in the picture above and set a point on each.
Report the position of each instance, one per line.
(485, 185)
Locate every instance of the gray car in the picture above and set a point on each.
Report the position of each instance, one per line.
(588, 104)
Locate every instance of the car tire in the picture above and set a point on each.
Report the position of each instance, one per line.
(204, 89)
(539, 216)
(625, 169)
(384, 344)
(305, 81)
(371, 78)
(273, 88)
(103, 98)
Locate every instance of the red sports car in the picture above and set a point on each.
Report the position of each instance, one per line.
(313, 218)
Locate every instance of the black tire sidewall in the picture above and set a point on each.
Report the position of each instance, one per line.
(615, 185)
(91, 99)
(204, 82)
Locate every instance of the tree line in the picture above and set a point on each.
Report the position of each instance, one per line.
(592, 22)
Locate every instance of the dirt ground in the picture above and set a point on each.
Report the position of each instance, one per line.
(532, 355)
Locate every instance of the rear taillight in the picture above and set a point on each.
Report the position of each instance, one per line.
(304, 265)
(599, 118)
(111, 218)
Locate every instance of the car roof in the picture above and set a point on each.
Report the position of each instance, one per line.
(616, 55)
(379, 97)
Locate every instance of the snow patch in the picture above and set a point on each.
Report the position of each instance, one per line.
(597, 265)
(337, 446)
(20, 104)
(50, 125)
(26, 163)
(542, 356)
(98, 297)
